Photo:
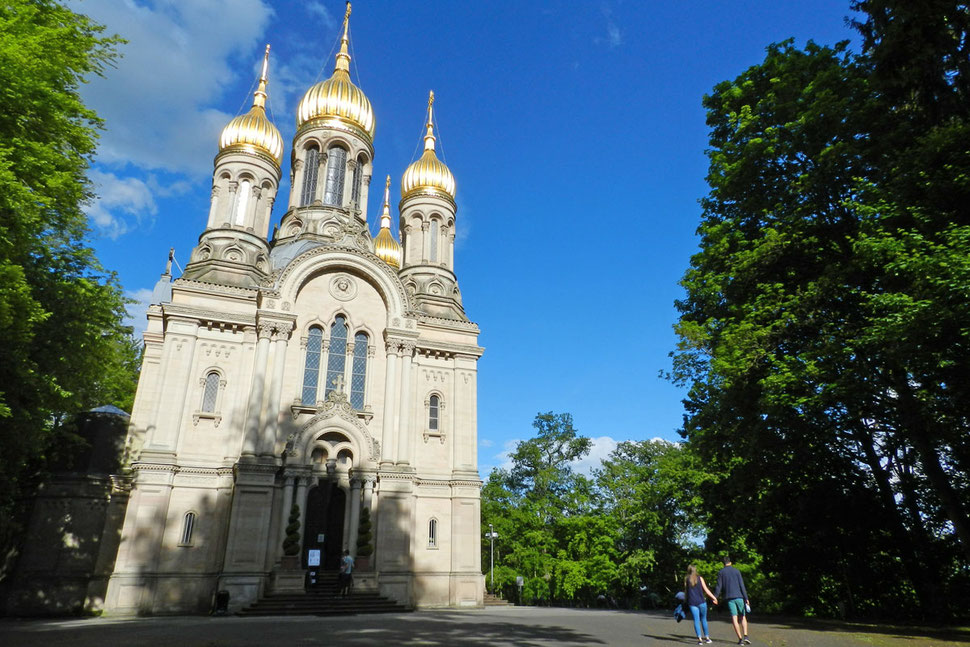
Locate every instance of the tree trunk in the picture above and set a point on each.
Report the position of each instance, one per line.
(927, 590)
(919, 430)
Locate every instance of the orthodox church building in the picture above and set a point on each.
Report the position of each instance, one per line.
(319, 365)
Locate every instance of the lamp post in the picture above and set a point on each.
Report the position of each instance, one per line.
(491, 535)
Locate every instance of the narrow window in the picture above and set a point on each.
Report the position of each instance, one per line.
(188, 525)
(310, 167)
(338, 354)
(210, 393)
(434, 241)
(358, 181)
(433, 413)
(359, 374)
(433, 533)
(242, 201)
(336, 169)
(311, 370)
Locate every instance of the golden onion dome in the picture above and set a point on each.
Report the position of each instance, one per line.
(337, 97)
(253, 132)
(386, 248)
(429, 174)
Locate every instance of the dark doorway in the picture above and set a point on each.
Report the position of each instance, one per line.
(324, 527)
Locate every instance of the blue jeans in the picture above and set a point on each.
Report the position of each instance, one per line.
(700, 619)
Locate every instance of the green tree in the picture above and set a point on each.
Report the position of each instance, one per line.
(291, 542)
(549, 530)
(364, 536)
(64, 348)
(825, 327)
(652, 490)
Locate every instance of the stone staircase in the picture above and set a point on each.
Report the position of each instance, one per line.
(323, 599)
(492, 600)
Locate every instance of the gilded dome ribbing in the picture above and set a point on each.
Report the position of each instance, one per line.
(386, 248)
(253, 132)
(428, 174)
(337, 97)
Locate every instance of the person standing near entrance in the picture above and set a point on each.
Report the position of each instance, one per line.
(695, 590)
(730, 581)
(346, 573)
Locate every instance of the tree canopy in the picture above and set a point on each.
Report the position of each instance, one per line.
(64, 346)
(825, 329)
(623, 534)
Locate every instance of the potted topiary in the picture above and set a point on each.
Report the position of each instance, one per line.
(291, 543)
(364, 546)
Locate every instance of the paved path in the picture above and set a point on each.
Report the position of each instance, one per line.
(492, 627)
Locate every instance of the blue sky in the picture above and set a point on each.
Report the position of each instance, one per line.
(574, 129)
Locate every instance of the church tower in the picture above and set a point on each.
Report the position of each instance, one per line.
(332, 158)
(233, 249)
(428, 231)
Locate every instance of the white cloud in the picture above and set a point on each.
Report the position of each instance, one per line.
(118, 202)
(614, 37)
(485, 442)
(600, 450)
(156, 103)
(319, 10)
(137, 311)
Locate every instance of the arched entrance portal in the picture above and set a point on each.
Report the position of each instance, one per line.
(324, 527)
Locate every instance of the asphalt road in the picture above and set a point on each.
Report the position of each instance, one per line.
(491, 626)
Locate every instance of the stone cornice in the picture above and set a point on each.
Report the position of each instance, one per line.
(447, 483)
(210, 316)
(447, 324)
(207, 289)
(434, 348)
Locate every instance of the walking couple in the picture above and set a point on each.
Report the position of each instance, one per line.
(730, 581)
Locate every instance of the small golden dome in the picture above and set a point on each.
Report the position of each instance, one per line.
(428, 174)
(337, 97)
(386, 248)
(253, 132)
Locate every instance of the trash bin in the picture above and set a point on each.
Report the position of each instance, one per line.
(222, 603)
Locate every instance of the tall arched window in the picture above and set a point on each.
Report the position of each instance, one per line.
(433, 533)
(242, 201)
(336, 169)
(210, 392)
(188, 526)
(434, 242)
(311, 370)
(434, 409)
(358, 182)
(311, 165)
(338, 353)
(359, 371)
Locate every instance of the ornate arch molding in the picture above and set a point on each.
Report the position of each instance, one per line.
(321, 259)
(336, 415)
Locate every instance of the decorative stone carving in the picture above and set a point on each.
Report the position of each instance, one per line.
(343, 287)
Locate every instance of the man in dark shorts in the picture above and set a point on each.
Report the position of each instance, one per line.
(729, 579)
(346, 577)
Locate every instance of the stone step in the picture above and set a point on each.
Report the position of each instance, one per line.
(492, 600)
(319, 602)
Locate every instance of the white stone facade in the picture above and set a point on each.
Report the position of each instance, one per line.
(228, 430)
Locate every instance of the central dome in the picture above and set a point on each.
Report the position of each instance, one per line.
(337, 97)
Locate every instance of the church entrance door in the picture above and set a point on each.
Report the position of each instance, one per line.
(324, 526)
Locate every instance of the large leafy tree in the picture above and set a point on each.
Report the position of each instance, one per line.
(549, 531)
(64, 347)
(825, 328)
(652, 491)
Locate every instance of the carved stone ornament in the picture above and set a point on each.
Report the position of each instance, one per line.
(336, 406)
(343, 287)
